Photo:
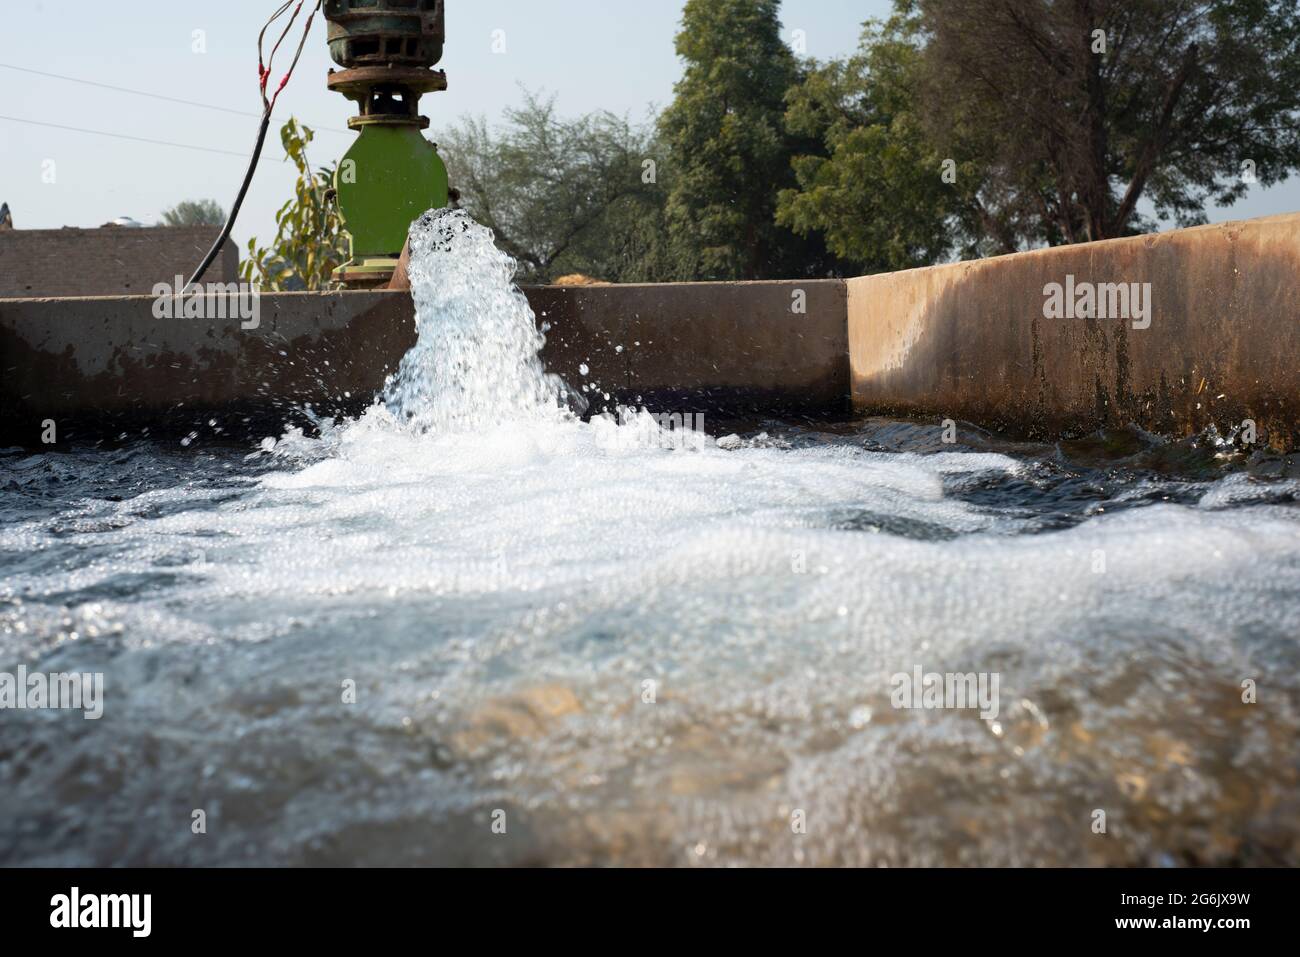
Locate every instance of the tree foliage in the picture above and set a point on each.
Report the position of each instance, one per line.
(1088, 108)
(561, 195)
(1057, 121)
(310, 242)
(959, 128)
(728, 145)
(873, 184)
(202, 212)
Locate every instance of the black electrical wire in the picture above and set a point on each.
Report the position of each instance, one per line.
(239, 202)
(264, 73)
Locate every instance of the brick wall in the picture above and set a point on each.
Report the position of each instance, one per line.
(111, 261)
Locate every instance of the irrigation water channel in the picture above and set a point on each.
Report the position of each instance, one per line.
(470, 627)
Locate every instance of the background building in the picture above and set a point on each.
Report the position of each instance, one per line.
(109, 261)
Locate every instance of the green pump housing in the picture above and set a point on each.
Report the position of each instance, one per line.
(392, 174)
(388, 179)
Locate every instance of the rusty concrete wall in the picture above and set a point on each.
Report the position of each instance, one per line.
(100, 366)
(970, 341)
(743, 349)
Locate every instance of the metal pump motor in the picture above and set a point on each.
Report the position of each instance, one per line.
(392, 174)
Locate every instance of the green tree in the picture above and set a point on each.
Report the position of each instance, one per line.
(310, 242)
(561, 195)
(878, 185)
(875, 186)
(636, 243)
(1087, 108)
(203, 212)
(728, 147)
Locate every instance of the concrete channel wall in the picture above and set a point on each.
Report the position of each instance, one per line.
(745, 349)
(98, 367)
(972, 341)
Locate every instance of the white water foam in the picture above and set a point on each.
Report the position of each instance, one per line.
(499, 580)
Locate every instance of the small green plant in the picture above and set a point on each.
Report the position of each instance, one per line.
(310, 242)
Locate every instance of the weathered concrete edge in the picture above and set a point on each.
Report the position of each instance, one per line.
(969, 341)
(98, 366)
(966, 341)
(739, 349)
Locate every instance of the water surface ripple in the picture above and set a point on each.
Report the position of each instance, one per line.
(641, 654)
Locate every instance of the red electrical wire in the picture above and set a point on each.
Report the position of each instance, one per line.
(264, 72)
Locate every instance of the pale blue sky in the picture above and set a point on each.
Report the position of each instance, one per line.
(612, 54)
